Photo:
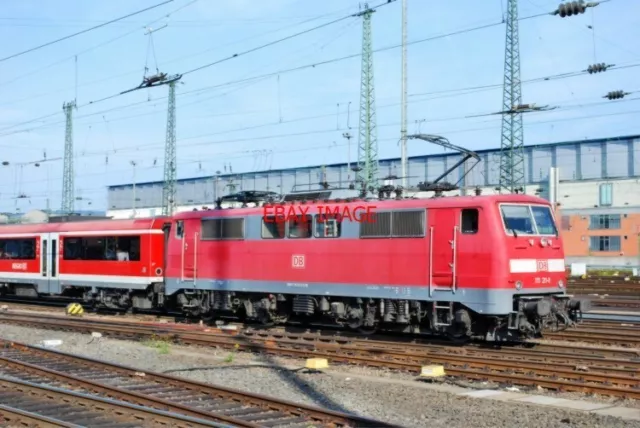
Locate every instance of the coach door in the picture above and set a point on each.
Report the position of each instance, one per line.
(442, 237)
(49, 262)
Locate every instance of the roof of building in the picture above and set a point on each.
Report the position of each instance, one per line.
(395, 159)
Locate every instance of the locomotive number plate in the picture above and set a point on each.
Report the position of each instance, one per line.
(297, 262)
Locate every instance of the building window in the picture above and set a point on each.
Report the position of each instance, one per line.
(470, 221)
(566, 222)
(606, 194)
(604, 243)
(605, 221)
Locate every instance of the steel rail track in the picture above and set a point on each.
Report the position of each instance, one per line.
(59, 407)
(602, 376)
(189, 398)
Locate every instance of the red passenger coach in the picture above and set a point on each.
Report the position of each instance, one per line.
(464, 266)
(90, 259)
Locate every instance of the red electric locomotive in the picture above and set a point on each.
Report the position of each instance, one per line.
(464, 266)
(490, 266)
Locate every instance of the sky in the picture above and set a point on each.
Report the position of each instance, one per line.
(253, 112)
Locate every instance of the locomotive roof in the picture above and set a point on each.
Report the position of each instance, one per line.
(79, 226)
(443, 202)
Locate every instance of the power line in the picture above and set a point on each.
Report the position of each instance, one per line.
(320, 63)
(324, 146)
(83, 31)
(281, 40)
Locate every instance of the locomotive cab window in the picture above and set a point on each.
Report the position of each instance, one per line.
(328, 226)
(544, 220)
(273, 227)
(528, 220)
(469, 222)
(300, 226)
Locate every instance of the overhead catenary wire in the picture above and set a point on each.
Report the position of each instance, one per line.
(297, 148)
(316, 64)
(84, 31)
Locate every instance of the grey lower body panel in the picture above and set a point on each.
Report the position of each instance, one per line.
(55, 285)
(483, 301)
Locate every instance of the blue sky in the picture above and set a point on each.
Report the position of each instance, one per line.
(290, 119)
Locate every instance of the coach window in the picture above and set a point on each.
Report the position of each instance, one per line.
(328, 226)
(273, 227)
(470, 221)
(21, 249)
(104, 248)
(300, 226)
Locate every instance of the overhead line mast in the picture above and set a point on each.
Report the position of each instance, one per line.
(512, 141)
(367, 170)
(68, 185)
(403, 120)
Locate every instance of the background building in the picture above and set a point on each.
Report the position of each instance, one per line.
(595, 185)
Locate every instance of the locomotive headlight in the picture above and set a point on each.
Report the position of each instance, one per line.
(561, 284)
(518, 285)
(544, 242)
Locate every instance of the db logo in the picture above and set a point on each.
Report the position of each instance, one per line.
(297, 262)
(542, 265)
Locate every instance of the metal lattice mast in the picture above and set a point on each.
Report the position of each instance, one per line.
(169, 184)
(68, 186)
(403, 121)
(368, 139)
(512, 143)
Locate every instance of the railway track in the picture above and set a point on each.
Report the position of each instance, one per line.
(602, 371)
(158, 391)
(30, 404)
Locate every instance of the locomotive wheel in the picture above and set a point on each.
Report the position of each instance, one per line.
(367, 330)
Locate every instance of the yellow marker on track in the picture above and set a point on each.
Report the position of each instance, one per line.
(75, 309)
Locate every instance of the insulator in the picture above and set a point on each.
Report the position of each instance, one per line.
(571, 8)
(615, 95)
(597, 68)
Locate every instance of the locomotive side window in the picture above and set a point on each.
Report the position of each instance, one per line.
(300, 226)
(470, 218)
(272, 227)
(112, 248)
(21, 249)
(222, 228)
(379, 225)
(179, 229)
(328, 226)
(407, 224)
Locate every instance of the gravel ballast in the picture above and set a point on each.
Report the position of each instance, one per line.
(400, 400)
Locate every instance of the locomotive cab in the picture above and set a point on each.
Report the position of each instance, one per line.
(536, 269)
